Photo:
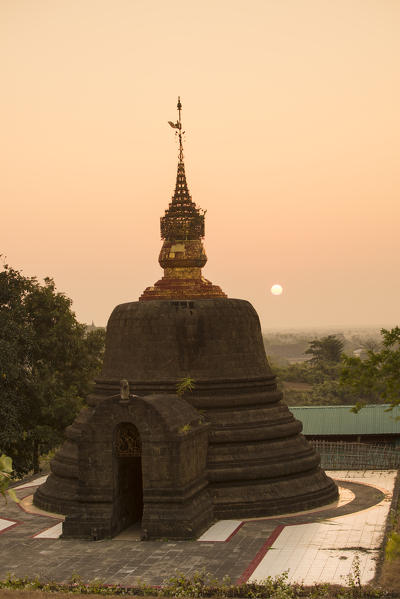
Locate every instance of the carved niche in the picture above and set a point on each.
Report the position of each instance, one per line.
(127, 441)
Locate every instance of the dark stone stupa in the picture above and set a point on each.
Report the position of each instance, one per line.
(230, 448)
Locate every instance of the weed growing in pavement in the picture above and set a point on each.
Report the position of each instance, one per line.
(354, 578)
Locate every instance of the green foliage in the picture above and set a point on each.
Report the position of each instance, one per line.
(354, 578)
(203, 585)
(324, 364)
(338, 379)
(301, 372)
(392, 550)
(329, 393)
(370, 344)
(322, 372)
(47, 363)
(6, 470)
(186, 428)
(327, 350)
(182, 586)
(378, 374)
(184, 385)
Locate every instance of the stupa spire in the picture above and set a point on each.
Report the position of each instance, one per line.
(183, 220)
(182, 255)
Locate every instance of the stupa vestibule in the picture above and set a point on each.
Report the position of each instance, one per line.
(228, 448)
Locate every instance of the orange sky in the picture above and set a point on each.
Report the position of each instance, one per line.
(293, 142)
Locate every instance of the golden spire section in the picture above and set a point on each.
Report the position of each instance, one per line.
(178, 127)
(182, 254)
(183, 220)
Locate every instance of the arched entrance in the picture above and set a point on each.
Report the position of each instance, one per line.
(161, 435)
(128, 482)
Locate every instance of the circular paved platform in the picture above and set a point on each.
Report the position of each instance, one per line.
(239, 549)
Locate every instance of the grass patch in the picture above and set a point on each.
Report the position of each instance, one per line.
(390, 576)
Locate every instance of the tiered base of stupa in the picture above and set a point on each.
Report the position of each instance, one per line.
(258, 463)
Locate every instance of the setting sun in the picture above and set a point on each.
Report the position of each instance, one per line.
(276, 289)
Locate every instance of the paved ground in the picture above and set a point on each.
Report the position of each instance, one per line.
(326, 551)
(249, 550)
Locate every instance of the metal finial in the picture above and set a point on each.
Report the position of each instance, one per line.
(178, 126)
(179, 106)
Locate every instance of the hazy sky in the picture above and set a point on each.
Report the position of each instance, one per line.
(291, 109)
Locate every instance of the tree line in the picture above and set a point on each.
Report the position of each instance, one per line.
(337, 378)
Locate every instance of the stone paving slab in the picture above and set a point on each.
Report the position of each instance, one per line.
(327, 551)
(5, 523)
(221, 531)
(129, 562)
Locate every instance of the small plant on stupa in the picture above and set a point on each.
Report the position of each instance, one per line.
(185, 429)
(184, 385)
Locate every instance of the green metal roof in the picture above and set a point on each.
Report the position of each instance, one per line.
(339, 420)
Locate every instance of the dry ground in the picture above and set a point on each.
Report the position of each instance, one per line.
(390, 579)
(390, 575)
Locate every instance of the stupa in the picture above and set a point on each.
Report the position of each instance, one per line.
(228, 448)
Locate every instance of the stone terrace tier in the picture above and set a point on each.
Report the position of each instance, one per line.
(258, 462)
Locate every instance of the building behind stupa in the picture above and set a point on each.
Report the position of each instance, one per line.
(229, 448)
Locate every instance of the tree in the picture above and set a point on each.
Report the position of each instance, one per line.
(377, 375)
(329, 393)
(6, 470)
(47, 364)
(327, 350)
(370, 344)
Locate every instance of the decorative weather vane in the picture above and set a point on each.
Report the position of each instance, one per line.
(178, 126)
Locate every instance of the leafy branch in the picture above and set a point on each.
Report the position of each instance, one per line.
(6, 470)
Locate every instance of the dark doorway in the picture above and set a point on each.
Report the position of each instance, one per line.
(128, 494)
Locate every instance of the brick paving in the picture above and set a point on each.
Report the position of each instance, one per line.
(129, 562)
